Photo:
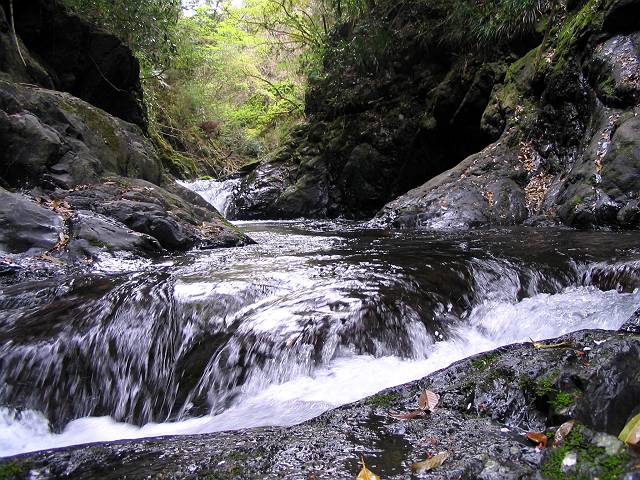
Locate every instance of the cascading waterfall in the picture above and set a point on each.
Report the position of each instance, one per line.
(314, 316)
(219, 193)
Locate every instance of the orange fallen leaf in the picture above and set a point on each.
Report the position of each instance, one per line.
(428, 400)
(563, 432)
(365, 473)
(406, 416)
(538, 437)
(430, 463)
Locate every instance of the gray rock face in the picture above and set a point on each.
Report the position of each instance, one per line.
(555, 141)
(91, 234)
(569, 156)
(74, 56)
(56, 139)
(487, 405)
(26, 227)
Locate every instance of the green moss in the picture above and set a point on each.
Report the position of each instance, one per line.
(589, 16)
(12, 470)
(483, 362)
(384, 400)
(179, 165)
(608, 86)
(562, 400)
(98, 243)
(544, 389)
(545, 386)
(99, 122)
(593, 461)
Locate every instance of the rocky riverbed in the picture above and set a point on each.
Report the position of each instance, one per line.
(488, 403)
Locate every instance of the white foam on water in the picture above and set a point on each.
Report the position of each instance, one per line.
(349, 377)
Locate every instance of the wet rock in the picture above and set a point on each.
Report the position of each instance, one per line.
(174, 221)
(25, 226)
(633, 324)
(72, 151)
(488, 403)
(485, 188)
(372, 136)
(614, 70)
(91, 234)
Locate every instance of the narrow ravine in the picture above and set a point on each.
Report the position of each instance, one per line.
(316, 315)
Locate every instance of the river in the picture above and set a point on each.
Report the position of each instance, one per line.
(317, 314)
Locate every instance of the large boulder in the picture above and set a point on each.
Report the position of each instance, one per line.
(63, 52)
(80, 159)
(26, 227)
(55, 139)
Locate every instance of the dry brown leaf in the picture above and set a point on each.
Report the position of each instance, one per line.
(428, 400)
(630, 434)
(365, 473)
(563, 432)
(430, 463)
(406, 416)
(540, 438)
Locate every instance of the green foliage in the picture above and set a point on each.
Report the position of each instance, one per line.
(593, 461)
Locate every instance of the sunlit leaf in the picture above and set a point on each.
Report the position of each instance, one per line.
(428, 400)
(430, 463)
(365, 473)
(540, 438)
(563, 432)
(631, 432)
(542, 345)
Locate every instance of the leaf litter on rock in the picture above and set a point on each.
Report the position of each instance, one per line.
(365, 473)
(538, 437)
(630, 434)
(426, 403)
(430, 463)
(563, 432)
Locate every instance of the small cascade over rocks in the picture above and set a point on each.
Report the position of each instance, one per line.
(219, 193)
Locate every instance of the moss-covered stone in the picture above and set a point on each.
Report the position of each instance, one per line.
(384, 400)
(485, 361)
(592, 461)
(99, 122)
(12, 470)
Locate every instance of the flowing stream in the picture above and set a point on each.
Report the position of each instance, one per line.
(316, 315)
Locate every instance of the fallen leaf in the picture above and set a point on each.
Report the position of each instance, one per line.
(365, 473)
(430, 463)
(428, 400)
(542, 345)
(406, 416)
(540, 438)
(630, 434)
(563, 432)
